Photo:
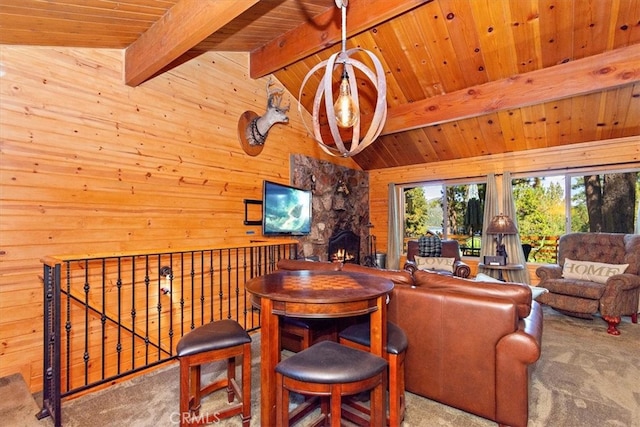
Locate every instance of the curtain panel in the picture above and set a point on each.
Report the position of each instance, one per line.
(396, 229)
(512, 242)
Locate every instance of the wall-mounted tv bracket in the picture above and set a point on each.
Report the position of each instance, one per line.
(248, 221)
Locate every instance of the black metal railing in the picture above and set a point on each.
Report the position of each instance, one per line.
(106, 317)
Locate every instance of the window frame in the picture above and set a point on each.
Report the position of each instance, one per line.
(443, 184)
(567, 173)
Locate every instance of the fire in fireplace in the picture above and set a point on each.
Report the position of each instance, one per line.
(344, 246)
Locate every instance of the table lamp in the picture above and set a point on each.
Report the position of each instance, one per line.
(501, 225)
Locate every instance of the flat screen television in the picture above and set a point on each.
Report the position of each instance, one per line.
(286, 210)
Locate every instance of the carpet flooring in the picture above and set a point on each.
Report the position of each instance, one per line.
(585, 377)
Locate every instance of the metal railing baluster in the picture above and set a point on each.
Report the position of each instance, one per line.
(100, 304)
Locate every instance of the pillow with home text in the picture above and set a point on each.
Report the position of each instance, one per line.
(434, 263)
(592, 271)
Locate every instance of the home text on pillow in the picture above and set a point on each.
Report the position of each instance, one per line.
(593, 271)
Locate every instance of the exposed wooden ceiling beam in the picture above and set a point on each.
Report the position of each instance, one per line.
(185, 25)
(580, 77)
(322, 32)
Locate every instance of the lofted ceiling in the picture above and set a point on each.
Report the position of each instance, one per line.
(465, 78)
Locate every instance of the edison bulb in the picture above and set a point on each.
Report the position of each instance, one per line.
(344, 107)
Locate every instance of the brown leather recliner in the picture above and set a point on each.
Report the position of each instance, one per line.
(450, 249)
(470, 345)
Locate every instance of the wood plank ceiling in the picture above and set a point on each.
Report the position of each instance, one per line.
(465, 78)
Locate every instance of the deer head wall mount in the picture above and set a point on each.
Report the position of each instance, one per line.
(253, 129)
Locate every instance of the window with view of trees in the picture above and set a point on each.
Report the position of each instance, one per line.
(597, 202)
(450, 211)
(604, 202)
(540, 210)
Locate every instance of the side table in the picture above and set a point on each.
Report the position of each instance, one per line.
(501, 268)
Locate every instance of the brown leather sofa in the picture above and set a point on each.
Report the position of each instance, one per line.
(471, 345)
(450, 249)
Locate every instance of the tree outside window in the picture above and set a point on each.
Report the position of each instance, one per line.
(605, 203)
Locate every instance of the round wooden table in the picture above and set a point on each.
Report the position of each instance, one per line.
(319, 294)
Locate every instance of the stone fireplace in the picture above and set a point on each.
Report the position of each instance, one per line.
(344, 246)
(340, 202)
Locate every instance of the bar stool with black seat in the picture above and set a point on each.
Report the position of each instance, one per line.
(358, 336)
(297, 333)
(330, 370)
(220, 340)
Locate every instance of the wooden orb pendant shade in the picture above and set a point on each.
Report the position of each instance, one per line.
(347, 64)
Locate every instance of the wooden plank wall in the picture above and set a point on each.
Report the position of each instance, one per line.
(613, 154)
(90, 165)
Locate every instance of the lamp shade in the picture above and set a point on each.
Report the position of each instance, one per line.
(501, 224)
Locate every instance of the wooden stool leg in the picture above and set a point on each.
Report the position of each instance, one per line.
(325, 408)
(246, 385)
(191, 391)
(396, 389)
(306, 339)
(201, 346)
(196, 389)
(377, 416)
(231, 375)
(282, 402)
(185, 391)
(394, 383)
(336, 405)
(402, 387)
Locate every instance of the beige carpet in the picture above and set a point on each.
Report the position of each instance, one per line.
(17, 406)
(584, 378)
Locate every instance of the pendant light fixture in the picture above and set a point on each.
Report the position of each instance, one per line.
(344, 112)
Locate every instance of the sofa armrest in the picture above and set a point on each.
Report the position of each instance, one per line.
(461, 269)
(515, 352)
(549, 271)
(528, 346)
(621, 282)
(410, 266)
(620, 296)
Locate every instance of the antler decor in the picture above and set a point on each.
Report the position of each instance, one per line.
(253, 129)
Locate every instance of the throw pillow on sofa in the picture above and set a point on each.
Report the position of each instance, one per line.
(434, 263)
(481, 277)
(593, 271)
(430, 246)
